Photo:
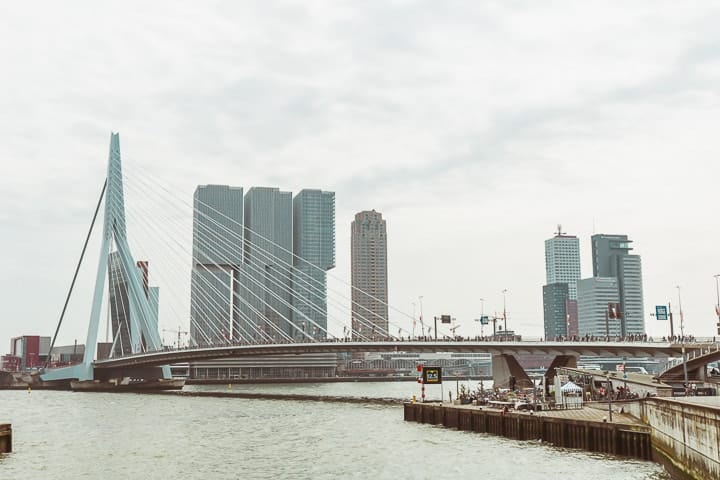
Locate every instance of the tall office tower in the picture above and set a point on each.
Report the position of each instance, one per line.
(314, 250)
(124, 321)
(562, 261)
(562, 271)
(216, 264)
(368, 245)
(611, 258)
(594, 295)
(267, 277)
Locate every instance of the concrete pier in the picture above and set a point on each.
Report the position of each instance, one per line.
(5, 438)
(568, 429)
(685, 434)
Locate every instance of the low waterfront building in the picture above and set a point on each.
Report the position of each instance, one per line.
(307, 365)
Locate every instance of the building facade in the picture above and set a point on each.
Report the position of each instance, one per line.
(369, 276)
(557, 310)
(314, 255)
(562, 261)
(612, 258)
(259, 264)
(562, 272)
(32, 350)
(216, 264)
(267, 279)
(594, 296)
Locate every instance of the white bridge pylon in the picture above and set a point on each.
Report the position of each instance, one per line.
(143, 317)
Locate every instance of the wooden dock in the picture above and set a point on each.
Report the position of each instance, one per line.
(5, 438)
(581, 428)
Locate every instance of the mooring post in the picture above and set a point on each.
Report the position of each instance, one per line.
(5, 438)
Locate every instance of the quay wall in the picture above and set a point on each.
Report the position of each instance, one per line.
(685, 436)
(5, 438)
(603, 437)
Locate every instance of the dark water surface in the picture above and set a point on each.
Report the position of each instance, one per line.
(64, 435)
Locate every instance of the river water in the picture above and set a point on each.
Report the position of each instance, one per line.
(65, 435)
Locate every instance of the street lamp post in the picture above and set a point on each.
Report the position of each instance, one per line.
(413, 331)
(717, 306)
(504, 311)
(682, 339)
(482, 313)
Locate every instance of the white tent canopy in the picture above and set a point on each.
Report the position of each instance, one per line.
(570, 387)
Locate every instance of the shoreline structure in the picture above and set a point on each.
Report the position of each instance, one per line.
(681, 435)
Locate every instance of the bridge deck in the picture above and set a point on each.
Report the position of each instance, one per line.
(618, 349)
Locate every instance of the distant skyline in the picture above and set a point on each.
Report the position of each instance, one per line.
(474, 127)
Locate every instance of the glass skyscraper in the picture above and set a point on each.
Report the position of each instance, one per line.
(267, 278)
(562, 271)
(611, 258)
(217, 260)
(594, 295)
(254, 254)
(314, 249)
(369, 276)
(562, 261)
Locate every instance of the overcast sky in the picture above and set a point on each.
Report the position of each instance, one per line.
(475, 127)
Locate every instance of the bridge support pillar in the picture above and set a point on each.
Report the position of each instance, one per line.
(559, 361)
(700, 373)
(507, 373)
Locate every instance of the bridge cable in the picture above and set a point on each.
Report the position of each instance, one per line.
(77, 269)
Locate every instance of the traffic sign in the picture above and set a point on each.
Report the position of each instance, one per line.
(661, 312)
(432, 375)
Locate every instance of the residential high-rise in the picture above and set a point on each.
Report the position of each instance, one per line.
(611, 258)
(216, 264)
(562, 269)
(267, 277)
(314, 254)
(369, 276)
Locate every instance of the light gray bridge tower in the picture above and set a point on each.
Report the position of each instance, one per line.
(143, 317)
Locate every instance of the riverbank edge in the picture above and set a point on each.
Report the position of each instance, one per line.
(285, 396)
(619, 439)
(263, 381)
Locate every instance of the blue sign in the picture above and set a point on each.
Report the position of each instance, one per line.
(661, 312)
(484, 320)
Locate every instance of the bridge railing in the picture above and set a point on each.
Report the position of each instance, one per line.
(709, 349)
(634, 339)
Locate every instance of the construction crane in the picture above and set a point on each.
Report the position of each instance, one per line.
(454, 328)
(179, 332)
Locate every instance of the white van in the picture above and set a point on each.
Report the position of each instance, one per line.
(636, 370)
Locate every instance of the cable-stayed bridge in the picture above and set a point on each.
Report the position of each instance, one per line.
(250, 295)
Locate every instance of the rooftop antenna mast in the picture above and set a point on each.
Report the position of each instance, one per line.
(559, 233)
